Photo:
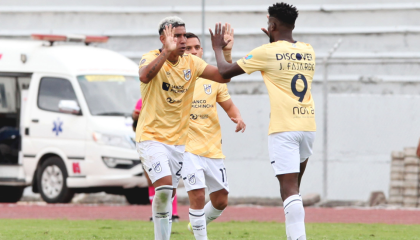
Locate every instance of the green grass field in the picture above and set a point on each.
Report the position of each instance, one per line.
(111, 229)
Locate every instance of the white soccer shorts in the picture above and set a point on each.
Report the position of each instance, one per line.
(161, 160)
(287, 150)
(200, 172)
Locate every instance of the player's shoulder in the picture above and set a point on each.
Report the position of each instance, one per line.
(304, 45)
(154, 53)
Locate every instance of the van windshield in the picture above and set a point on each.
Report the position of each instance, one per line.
(110, 95)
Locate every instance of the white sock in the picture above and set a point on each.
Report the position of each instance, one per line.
(170, 219)
(295, 218)
(161, 209)
(198, 223)
(211, 213)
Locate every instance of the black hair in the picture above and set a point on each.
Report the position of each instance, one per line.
(192, 35)
(284, 12)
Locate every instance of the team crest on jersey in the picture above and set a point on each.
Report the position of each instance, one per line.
(157, 167)
(207, 88)
(187, 74)
(191, 178)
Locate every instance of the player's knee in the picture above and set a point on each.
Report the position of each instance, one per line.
(221, 202)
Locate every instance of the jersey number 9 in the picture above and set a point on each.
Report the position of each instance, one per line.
(300, 95)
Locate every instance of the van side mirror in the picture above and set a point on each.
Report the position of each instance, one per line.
(69, 106)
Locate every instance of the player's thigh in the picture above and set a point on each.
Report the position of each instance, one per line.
(155, 161)
(283, 150)
(216, 175)
(305, 146)
(192, 172)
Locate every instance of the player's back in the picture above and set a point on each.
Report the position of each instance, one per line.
(288, 70)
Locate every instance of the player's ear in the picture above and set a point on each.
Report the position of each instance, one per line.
(162, 39)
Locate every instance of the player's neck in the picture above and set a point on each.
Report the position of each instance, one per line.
(173, 57)
(284, 36)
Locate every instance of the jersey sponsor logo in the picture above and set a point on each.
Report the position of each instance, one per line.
(201, 104)
(166, 86)
(178, 89)
(187, 74)
(197, 116)
(157, 167)
(173, 88)
(191, 178)
(247, 57)
(299, 111)
(171, 100)
(207, 88)
(294, 56)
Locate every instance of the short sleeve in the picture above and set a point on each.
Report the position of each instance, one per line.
(199, 65)
(222, 93)
(147, 59)
(254, 61)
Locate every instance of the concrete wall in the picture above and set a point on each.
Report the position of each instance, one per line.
(374, 77)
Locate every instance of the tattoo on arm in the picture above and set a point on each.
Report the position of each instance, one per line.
(161, 56)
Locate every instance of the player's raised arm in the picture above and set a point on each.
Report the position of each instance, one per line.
(234, 114)
(226, 69)
(147, 73)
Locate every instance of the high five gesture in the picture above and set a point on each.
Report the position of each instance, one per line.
(169, 42)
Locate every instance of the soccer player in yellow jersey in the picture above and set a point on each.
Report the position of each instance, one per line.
(167, 78)
(287, 67)
(203, 159)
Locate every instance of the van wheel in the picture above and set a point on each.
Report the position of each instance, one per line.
(52, 181)
(137, 195)
(9, 194)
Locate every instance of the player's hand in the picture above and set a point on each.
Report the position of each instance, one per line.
(240, 125)
(135, 115)
(265, 30)
(217, 39)
(228, 37)
(170, 41)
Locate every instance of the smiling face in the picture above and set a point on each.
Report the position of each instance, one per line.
(194, 47)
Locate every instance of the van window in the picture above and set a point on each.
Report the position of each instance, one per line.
(110, 95)
(52, 90)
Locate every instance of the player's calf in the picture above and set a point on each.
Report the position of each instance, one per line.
(161, 208)
(293, 206)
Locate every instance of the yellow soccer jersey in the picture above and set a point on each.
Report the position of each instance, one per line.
(287, 69)
(167, 99)
(204, 134)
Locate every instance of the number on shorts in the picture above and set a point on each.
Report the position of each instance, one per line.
(300, 95)
(223, 174)
(178, 173)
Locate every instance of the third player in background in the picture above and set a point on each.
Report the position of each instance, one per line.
(203, 159)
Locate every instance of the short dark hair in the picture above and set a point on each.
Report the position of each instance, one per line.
(284, 12)
(192, 35)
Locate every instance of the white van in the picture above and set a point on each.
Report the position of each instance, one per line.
(65, 120)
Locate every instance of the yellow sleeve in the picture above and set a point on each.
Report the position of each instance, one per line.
(199, 65)
(222, 93)
(147, 58)
(256, 60)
